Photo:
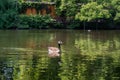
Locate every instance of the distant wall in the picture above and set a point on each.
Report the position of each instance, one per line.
(38, 8)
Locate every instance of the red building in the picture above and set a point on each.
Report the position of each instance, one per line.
(43, 8)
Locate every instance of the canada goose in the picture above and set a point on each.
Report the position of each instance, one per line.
(55, 51)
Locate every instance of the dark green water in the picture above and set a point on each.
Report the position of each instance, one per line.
(85, 55)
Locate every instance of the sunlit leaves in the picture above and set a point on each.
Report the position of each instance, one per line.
(116, 6)
(92, 11)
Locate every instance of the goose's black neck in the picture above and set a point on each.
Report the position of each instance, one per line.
(59, 45)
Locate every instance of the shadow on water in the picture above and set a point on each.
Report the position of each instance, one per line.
(53, 69)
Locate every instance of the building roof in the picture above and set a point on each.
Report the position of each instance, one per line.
(51, 3)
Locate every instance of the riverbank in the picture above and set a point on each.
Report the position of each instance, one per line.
(67, 25)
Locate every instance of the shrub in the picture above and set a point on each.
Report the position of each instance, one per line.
(35, 21)
(73, 24)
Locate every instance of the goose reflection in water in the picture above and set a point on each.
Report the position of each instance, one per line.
(55, 51)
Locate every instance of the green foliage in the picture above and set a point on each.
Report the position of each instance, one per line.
(73, 24)
(70, 7)
(82, 1)
(92, 11)
(8, 14)
(9, 19)
(35, 21)
(83, 10)
(116, 9)
(56, 25)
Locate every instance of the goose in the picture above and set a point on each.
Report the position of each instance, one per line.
(55, 51)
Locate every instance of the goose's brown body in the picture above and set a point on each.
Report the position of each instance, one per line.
(53, 52)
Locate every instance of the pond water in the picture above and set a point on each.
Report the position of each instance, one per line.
(85, 55)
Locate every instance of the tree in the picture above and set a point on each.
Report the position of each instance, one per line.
(8, 13)
(116, 9)
(92, 11)
(69, 8)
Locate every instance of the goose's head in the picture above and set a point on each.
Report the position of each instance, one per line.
(60, 42)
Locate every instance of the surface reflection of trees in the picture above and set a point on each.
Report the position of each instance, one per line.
(88, 46)
(53, 69)
(99, 68)
(81, 67)
(102, 59)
